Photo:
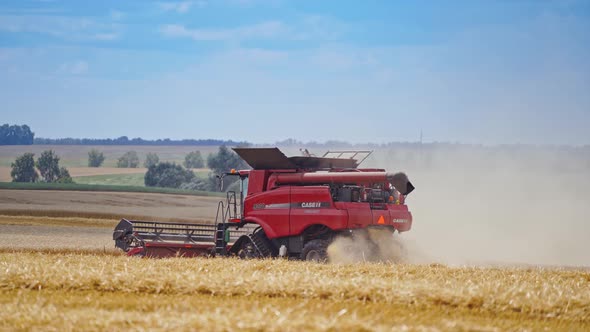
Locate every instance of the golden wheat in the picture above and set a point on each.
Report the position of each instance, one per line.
(105, 292)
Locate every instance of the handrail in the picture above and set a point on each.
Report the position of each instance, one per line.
(340, 153)
(220, 207)
(232, 202)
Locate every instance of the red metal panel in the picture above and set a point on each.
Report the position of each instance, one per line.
(312, 205)
(380, 214)
(359, 214)
(401, 218)
(272, 207)
(256, 182)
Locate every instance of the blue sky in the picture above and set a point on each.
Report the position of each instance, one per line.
(489, 72)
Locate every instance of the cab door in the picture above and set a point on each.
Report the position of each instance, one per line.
(270, 209)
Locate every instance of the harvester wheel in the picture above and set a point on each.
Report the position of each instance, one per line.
(315, 250)
(247, 251)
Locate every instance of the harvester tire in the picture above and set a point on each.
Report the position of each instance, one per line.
(315, 250)
(248, 250)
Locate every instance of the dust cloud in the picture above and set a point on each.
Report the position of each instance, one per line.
(377, 245)
(492, 205)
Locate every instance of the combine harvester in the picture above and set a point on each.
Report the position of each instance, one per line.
(287, 206)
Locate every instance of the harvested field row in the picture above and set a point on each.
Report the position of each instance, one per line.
(114, 292)
(55, 237)
(85, 187)
(108, 205)
(68, 215)
(24, 220)
(81, 171)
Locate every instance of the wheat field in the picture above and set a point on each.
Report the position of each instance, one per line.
(68, 290)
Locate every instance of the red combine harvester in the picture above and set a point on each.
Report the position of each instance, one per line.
(287, 206)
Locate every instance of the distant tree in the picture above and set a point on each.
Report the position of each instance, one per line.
(95, 158)
(151, 159)
(16, 135)
(48, 166)
(128, 160)
(210, 183)
(224, 160)
(124, 140)
(23, 169)
(64, 176)
(168, 175)
(194, 160)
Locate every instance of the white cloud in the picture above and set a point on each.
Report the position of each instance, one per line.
(268, 29)
(116, 15)
(51, 25)
(249, 3)
(253, 58)
(75, 68)
(180, 7)
(106, 36)
(262, 55)
(59, 26)
(320, 26)
(306, 28)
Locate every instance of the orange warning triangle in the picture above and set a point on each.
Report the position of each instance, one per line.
(381, 220)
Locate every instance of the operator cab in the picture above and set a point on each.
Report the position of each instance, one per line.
(232, 200)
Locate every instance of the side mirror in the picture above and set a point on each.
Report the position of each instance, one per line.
(220, 181)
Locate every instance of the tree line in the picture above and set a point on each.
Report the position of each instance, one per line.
(176, 176)
(16, 135)
(159, 174)
(46, 169)
(124, 140)
(172, 175)
(22, 135)
(130, 159)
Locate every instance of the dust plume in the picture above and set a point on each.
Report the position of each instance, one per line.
(376, 245)
(496, 205)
